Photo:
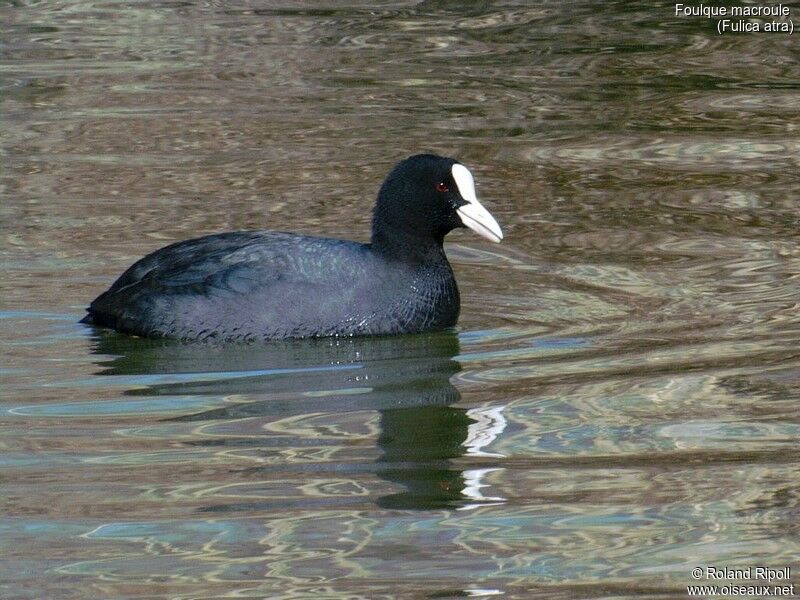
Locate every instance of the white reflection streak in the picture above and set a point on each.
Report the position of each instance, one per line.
(484, 592)
(488, 424)
(472, 489)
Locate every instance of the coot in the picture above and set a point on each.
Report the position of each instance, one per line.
(265, 285)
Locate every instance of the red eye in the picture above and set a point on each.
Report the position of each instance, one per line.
(442, 187)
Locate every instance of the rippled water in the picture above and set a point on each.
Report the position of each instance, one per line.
(619, 405)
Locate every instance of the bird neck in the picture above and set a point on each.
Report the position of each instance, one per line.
(408, 246)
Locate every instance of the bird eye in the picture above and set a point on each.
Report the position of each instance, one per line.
(442, 187)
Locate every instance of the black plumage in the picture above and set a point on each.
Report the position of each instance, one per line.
(253, 285)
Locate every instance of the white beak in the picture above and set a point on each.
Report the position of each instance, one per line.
(473, 214)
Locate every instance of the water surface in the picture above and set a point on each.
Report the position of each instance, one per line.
(618, 406)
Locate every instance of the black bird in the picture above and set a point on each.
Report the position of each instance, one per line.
(265, 285)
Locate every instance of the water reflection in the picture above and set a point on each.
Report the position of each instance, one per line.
(406, 379)
(418, 444)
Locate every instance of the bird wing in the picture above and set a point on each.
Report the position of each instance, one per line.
(257, 267)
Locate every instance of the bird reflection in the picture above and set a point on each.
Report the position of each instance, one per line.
(405, 378)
